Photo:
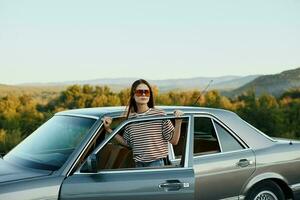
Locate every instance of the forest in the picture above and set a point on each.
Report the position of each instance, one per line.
(20, 115)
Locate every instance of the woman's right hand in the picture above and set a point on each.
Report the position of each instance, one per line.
(107, 122)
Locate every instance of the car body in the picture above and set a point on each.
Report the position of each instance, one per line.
(219, 156)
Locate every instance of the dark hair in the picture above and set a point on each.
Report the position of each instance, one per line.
(132, 104)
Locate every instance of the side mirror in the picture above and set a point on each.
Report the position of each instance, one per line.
(90, 164)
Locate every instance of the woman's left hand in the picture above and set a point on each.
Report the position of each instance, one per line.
(178, 113)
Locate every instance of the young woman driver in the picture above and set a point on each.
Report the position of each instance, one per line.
(148, 140)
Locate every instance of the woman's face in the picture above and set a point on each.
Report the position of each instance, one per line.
(142, 94)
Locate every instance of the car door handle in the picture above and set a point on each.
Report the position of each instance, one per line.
(244, 163)
(173, 185)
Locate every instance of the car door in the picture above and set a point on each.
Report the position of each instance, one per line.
(170, 182)
(222, 162)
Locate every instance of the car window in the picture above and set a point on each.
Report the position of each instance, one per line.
(100, 137)
(205, 137)
(114, 156)
(228, 142)
(51, 144)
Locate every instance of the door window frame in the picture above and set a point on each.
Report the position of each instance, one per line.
(213, 119)
(186, 164)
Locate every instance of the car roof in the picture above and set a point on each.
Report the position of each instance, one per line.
(249, 134)
(118, 110)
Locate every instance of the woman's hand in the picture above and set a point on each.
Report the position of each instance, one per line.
(106, 123)
(178, 113)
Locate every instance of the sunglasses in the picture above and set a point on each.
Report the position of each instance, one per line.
(140, 93)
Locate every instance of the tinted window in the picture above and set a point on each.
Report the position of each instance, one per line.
(228, 142)
(205, 139)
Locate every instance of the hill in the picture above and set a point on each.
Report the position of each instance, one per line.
(275, 84)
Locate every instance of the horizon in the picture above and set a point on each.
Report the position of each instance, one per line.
(163, 79)
(49, 42)
(112, 78)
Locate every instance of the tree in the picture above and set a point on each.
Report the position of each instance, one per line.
(124, 96)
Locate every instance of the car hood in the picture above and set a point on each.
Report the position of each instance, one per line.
(9, 172)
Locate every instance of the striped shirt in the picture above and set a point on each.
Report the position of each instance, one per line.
(149, 139)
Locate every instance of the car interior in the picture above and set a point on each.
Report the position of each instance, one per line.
(205, 138)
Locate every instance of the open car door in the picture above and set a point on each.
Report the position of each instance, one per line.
(171, 182)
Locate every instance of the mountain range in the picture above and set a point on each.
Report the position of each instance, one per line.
(274, 84)
(219, 83)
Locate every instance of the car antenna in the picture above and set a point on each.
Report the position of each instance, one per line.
(203, 91)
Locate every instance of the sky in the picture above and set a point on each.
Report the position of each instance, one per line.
(67, 40)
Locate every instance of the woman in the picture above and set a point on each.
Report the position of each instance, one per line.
(148, 140)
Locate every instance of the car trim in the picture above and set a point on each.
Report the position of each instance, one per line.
(242, 197)
(83, 150)
(295, 187)
(213, 154)
(187, 145)
(222, 153)
(78, 115)
(232, 198)
(217, 134)
(134, 170)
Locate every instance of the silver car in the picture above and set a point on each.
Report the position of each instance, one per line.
(218, 156)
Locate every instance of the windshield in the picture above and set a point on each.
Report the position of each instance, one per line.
(52, 143)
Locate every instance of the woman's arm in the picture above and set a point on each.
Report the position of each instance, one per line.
(118, 138)
(106, 122)
(177, 128)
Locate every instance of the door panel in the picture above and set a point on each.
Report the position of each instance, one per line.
(222, 175)
(168, 182)
(175, 184)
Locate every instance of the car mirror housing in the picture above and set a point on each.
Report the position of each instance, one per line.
(90, 165)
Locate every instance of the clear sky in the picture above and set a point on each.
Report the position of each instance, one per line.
(62, 40)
